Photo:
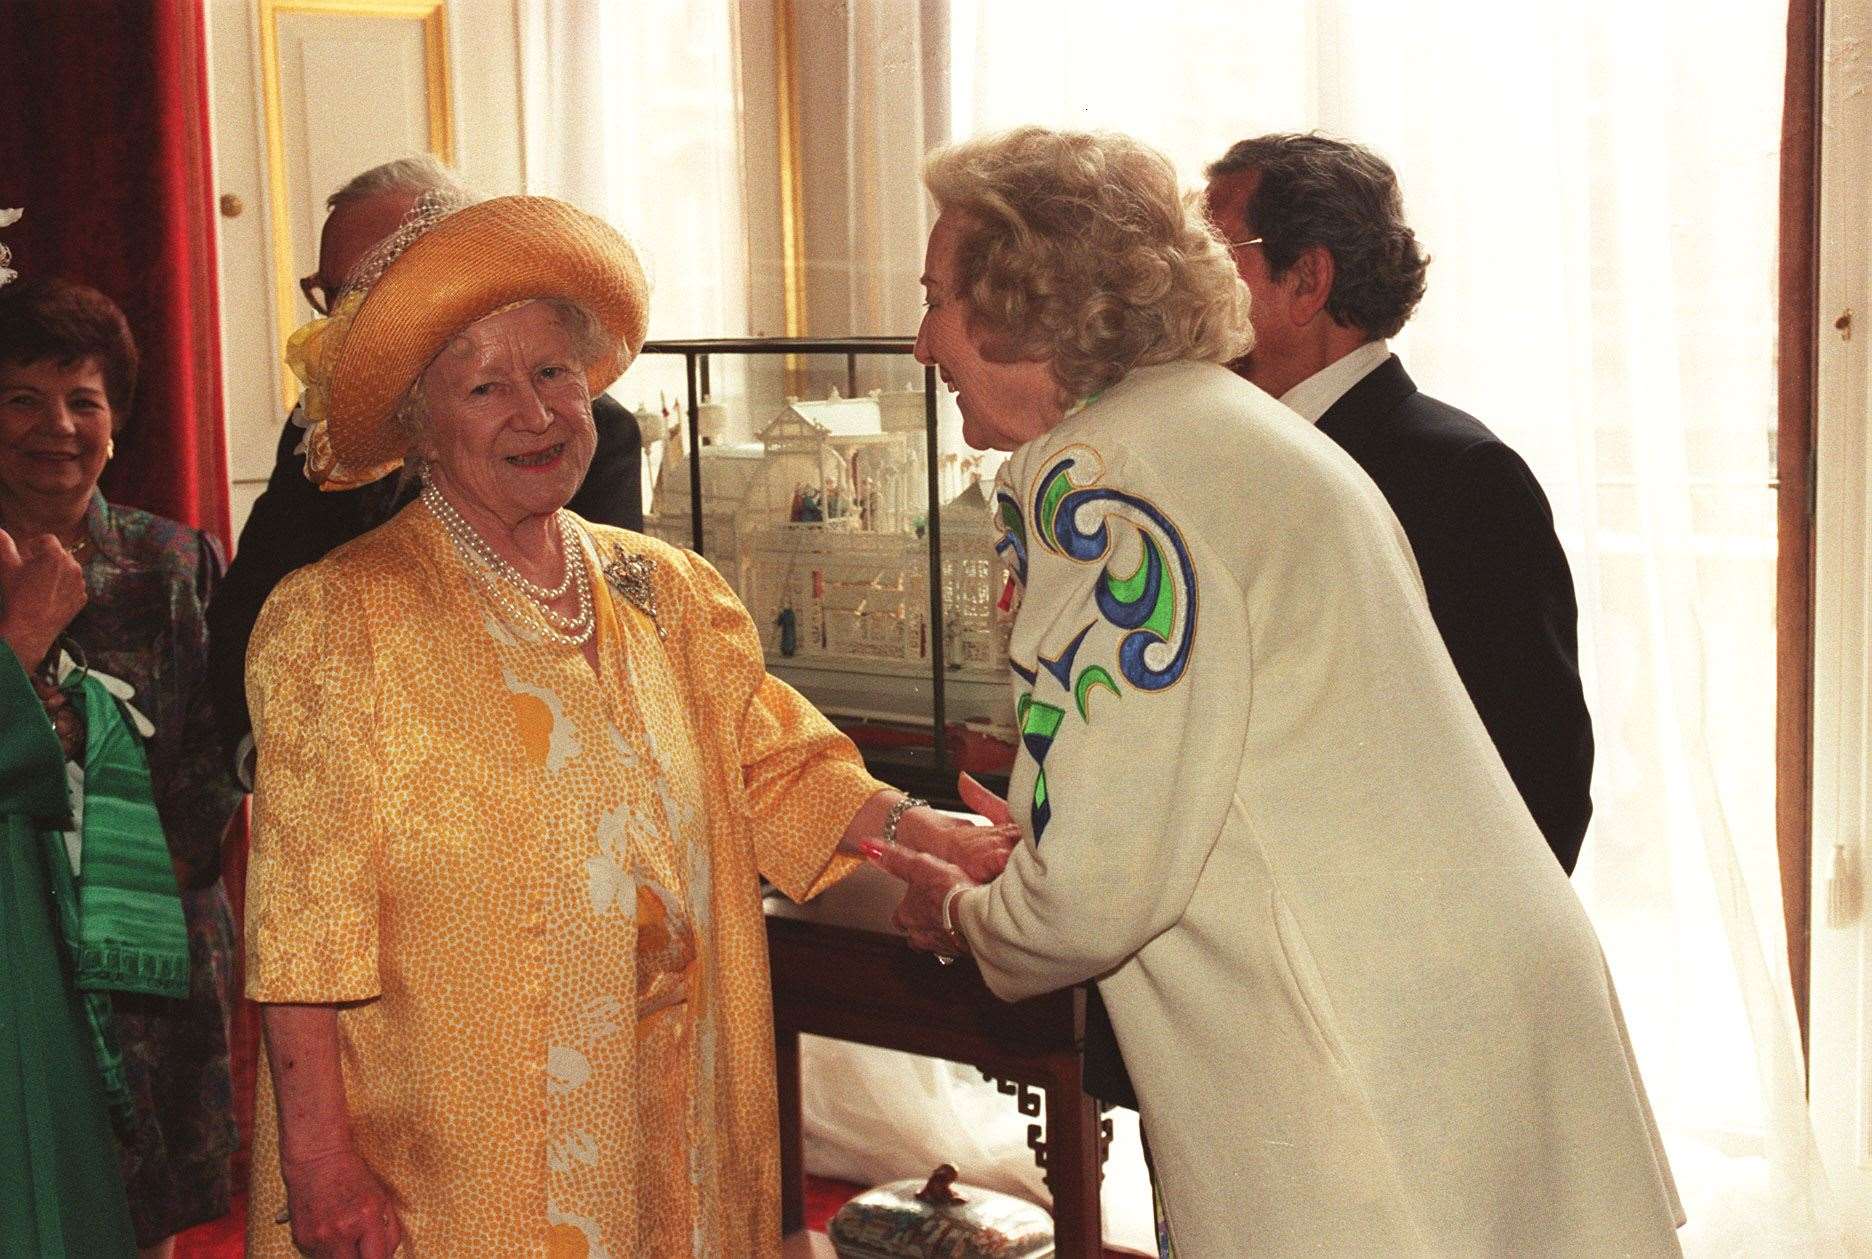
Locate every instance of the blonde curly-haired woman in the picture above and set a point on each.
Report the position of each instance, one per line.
(1364, 1011)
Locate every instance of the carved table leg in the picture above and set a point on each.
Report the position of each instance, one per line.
(1072, 1160)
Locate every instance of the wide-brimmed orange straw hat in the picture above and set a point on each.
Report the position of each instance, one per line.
(359, 364)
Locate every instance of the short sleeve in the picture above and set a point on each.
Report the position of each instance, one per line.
(312, 881)
(1131, 652)
(802, 779)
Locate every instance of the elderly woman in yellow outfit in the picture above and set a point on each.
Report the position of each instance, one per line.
(518, 778)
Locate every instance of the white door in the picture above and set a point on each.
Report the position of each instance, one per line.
(1841, 1011)
(307, 93)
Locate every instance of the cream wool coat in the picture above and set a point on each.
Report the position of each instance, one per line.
(1363, 1008)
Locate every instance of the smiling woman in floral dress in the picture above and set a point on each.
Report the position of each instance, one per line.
(67, 377)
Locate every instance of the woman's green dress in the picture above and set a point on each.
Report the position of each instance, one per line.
(61, 1193)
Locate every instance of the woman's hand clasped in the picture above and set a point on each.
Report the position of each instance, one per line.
(938, 856)
(339, 1208)
(41, 589)
(980, 852)
(928, 883)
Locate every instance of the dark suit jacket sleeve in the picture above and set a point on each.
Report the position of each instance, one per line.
(613, 490)
(292, 524)
(1508, 612)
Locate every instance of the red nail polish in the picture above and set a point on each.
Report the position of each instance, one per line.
(871, 850)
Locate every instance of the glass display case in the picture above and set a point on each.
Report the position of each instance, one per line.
(827, 480)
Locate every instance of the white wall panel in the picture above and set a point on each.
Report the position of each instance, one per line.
(307, 93)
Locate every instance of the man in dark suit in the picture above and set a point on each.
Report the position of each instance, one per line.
(294, 523)
(1318, 233)
(1317, 230)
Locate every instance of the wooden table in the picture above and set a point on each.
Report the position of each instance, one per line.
(872, 988)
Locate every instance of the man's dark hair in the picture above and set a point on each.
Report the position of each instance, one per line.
(1315, 190)
(43, 319)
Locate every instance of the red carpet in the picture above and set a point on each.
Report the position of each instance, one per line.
(824, 1198)
(223, 1239)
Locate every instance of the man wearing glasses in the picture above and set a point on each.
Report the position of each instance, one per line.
(293, 523)
(1317, 230)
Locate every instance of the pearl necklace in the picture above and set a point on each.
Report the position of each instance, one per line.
(460, 529)
(509, 586)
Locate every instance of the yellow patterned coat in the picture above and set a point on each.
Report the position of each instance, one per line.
(534, 892)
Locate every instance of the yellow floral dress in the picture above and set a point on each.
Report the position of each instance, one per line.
(533, 890)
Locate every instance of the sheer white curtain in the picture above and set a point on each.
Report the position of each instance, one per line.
(871, 102)
(633, 113)
(1597, 184)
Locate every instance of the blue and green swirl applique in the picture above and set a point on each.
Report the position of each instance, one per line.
(1012, 546)
(1156, 602)
(1089, 678)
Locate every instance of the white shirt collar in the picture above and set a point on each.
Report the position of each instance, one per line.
(1314, 396)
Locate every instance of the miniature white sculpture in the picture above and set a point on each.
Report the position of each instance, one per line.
(819, 527)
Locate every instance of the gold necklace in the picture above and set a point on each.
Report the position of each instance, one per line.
(79, 550)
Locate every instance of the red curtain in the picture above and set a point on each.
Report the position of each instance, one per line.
(104, 141)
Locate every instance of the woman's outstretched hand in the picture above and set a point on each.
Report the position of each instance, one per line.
(339, 1209)
(980, 852)
(928, 881)
(983, 801)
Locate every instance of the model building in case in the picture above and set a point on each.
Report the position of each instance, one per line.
(820, 524)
